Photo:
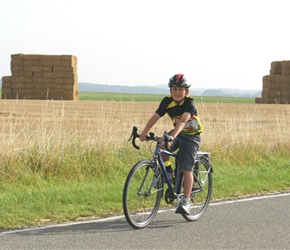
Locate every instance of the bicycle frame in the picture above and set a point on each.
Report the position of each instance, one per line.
(144, 186)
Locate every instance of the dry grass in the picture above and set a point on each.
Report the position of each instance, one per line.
(26, 122)
(74, 140)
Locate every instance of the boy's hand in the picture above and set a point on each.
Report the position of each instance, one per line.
(142, 136)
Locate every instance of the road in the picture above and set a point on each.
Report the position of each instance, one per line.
(253, 223)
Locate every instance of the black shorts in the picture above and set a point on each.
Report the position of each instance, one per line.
(188, 146)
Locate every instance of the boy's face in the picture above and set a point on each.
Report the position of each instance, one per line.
(178, 93)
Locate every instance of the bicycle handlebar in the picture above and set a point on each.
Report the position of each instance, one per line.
(135, 135)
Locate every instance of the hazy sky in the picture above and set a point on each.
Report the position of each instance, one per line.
(215, 43)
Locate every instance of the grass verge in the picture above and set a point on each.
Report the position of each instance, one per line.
(41, 196)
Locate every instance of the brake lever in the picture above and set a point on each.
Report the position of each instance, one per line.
(133, 136)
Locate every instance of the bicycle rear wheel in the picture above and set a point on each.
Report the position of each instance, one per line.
(142, 194)
(201, 191)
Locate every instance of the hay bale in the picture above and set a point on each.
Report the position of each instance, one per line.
(276, 68)
(16, 57)
(48, 75)
(42, 73)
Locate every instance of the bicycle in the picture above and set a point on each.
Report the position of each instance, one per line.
(144, 186)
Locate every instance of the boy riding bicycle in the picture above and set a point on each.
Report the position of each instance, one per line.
(179, 105)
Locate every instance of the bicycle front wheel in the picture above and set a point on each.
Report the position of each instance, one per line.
(201, 190)
(142, 194)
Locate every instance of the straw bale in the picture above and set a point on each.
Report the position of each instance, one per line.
(69, 64)
(68, 75)
(27, 80)
(26, 57)
(264, 94)
(279, 79)
(6, 85)
(273, 93)
(48, 75)
(46, 63)
(46, 86)
(286, 71)
(47, 68)
(6, 79)
(271, 100)
(58, 69)
(276, 68)
(27, 74)
(287, 80)
(57, 89)
(6, 94)
(35, 57)
(36, 69)
(258, 100)
(285, 64)
(68, 69)
(57, 63)
(56, 58)
(4, 89)
(16, 56)
(38, 80)
(18, 93)
(37, 75)
(45, 58)
(268, 80)
(47, 80)
(285, 100)
(67, 57)
(36, 63)
(27, 68)
(17, 79)
(69, 81)
(16, 62)
(14, 68)
(27, 63)
(58, 80)
(68, 87)
(17, 86)
(57, 74)
(37, 86)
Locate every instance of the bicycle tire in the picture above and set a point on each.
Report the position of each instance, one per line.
(142, 194)
(202, 190)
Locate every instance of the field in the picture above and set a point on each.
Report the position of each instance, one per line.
(68, 160)
(26, 123)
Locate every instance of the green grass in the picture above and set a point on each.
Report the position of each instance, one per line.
(99, 96)
(86, 183)
(156, 98)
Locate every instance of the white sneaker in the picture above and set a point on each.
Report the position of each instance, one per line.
(186, 207)
(183, 207)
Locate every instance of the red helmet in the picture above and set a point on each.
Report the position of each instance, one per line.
(178, 80)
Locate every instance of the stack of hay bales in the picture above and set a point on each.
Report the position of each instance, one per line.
(276, 86)
(41, 77)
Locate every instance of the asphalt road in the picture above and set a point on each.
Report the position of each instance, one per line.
(254, 223)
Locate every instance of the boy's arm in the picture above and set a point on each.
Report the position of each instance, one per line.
(180, 124)
(154, 118)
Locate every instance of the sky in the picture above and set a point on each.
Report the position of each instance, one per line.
(215, 43)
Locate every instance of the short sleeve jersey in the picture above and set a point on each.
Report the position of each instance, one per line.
(176, 109)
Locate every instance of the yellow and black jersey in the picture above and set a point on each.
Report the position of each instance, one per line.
(176, 109)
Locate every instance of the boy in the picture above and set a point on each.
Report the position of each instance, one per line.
(179, 105)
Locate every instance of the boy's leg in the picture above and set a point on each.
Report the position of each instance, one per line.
(188, 183)
(187, 153)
